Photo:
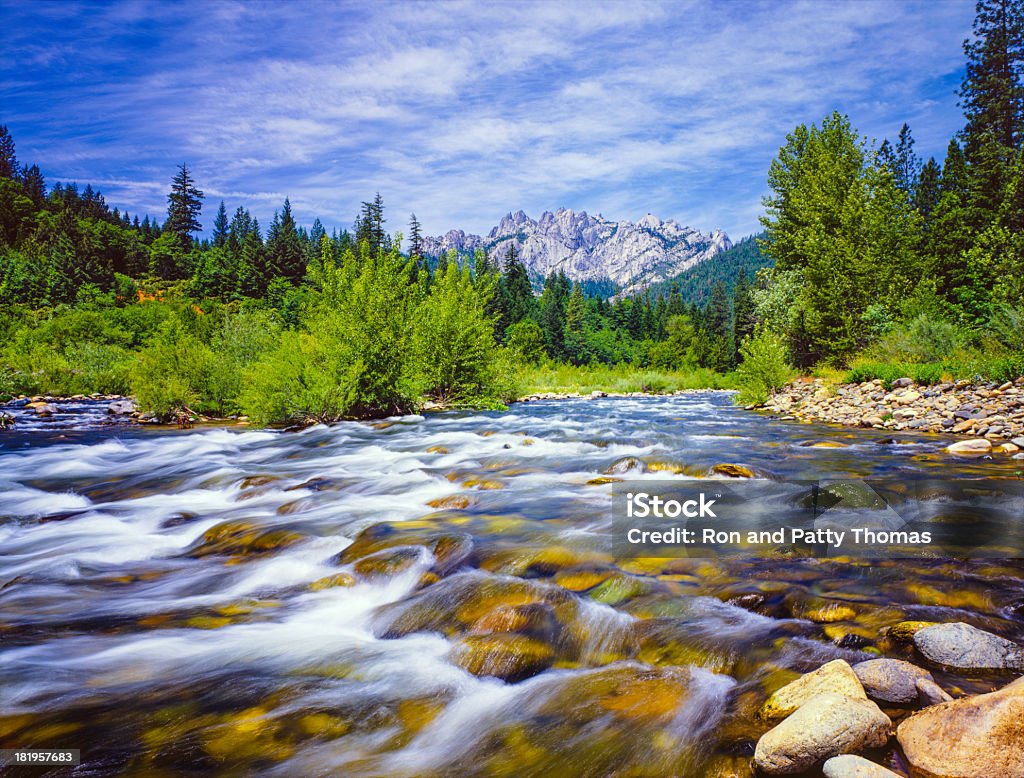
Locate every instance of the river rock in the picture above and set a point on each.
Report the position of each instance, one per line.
(121, 407)
(43, 409)
(891, 680)
(825, 726)
(508, 656)
(836, 677)
(899, 383)
(973, 737)
(930, 693)
(851, 766)
(963, 647)
(970, 448)
(730, 470)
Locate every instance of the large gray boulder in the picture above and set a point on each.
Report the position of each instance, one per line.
(963, 647)
(828, 725)
(892, 681)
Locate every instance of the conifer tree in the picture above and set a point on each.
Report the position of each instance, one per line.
(8, 159)
(184, 204)
(415, 239)
(220, 226)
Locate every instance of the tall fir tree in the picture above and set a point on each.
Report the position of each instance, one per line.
(220, 226)
(8, 159)
(184, 204)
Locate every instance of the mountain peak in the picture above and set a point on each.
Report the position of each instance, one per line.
(588, 248)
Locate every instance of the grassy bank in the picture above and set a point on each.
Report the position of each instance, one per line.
(565, 379)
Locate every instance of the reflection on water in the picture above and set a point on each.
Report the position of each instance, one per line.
(194, 600)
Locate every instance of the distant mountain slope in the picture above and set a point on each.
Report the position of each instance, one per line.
(591, 249)
(695, 283)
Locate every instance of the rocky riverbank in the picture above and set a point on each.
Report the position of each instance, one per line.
(824, 718)
(598, 393)
(989, 412)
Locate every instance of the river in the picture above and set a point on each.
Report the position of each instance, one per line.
(184, 602)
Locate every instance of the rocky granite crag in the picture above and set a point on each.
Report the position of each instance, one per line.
(591, 248)
(988, 411)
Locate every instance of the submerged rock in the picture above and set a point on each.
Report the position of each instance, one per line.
(963, 647)
(892, 680)
(973, 737)
(836, 677)
(823, 727)
(508, 656)
(241, 538)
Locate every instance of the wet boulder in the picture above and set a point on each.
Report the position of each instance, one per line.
(851, 766)
(121, 408)
(893, 681)
(970, 448)
(389, 562)
(730, 470)
(241, 538)
(835, 677)
(624, 465)
(973, 737)
(963, 647)
(508, 656)
(825, 726)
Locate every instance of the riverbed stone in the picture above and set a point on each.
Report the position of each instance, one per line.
(825, 726)
(974, 737)
(853, 766)
(970, 448)
(835, 677)
(731, 470)
(508, 656)
(904, 631)
(963, 647)
(891, 680)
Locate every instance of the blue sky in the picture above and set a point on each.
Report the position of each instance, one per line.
(462, 111)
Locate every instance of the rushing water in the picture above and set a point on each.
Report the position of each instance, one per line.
(176, 602)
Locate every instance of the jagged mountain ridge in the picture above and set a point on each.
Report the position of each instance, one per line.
(591, 248)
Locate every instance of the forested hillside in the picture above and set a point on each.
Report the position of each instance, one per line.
(734, 266)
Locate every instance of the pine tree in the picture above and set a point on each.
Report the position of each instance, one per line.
(220, 226)
(8, 159)
(370, 227)
(285, 256)
(415, 239)
(184, 203)
(35, 185)
(908, 166)
(992, 96)
(928, 191)
(518, 301)
(743, 312)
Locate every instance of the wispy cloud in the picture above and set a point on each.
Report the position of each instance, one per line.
(461, 111)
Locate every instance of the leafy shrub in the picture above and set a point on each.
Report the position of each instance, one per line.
(526, 339)
(453, 340)
(172, 372)
(764, 369)
(925, 338)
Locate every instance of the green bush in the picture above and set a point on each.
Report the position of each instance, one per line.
(453, 340)
(764, 369)
(173, 371)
